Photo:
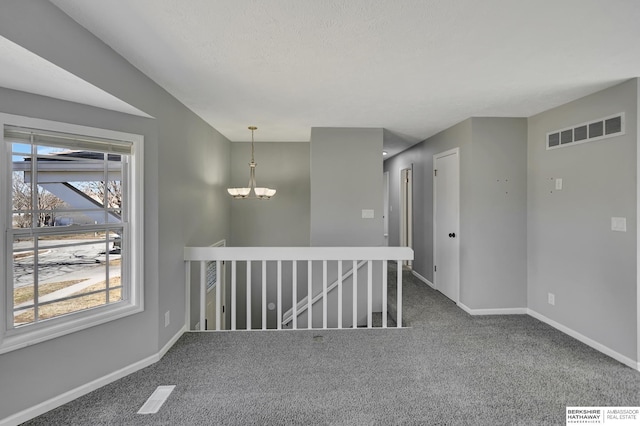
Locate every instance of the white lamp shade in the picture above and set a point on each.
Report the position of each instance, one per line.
(264, 192)
(239, 192)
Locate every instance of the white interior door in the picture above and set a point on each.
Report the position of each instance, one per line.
(446, 223)
(406, 213)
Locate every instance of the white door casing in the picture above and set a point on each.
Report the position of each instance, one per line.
(211, 302)
(406, 211)
(446, 223)
(386, 207)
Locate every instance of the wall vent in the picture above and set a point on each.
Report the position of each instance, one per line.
(587, 132)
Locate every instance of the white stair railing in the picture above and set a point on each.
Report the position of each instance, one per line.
(297, 255)
(303, 303)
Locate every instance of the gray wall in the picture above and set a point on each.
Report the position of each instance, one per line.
(494, 261)
(572, 251)
(346, 177)
(283, 220)
(492, 208)
(184, 159)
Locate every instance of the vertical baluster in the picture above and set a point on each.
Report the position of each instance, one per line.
(369, 293)
(399, 307)
(354, 281)
(187, 285)
(264, 295)
(203, 294)
(234, 309)
(339, 293)
(218, 301)
(309, 293)
(384, 294)
(279, 308)
(249, 285)
(324, 294)
(355, 293)
(294, 294)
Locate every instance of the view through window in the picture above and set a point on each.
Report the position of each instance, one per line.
(69, 223)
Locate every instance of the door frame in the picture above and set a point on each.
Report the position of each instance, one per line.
(456, 152)
(385, 213)
(211, 296)
(406, 210)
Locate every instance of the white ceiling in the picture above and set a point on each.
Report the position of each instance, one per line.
(413, 67)
(25, 71)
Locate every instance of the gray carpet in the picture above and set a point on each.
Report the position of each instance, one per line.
(449, 368)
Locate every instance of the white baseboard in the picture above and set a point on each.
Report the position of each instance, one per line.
(490, 311)
(587, 341)
(423, 279)
(69, 396)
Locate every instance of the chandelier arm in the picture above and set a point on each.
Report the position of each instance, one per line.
(252, 128)
(252, 175)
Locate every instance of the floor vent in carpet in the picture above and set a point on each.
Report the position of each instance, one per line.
(157, 398)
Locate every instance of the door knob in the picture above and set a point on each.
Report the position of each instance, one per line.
(452, 235)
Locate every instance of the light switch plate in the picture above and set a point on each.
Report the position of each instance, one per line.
(367, 214)
(558, 184)
(619, 224)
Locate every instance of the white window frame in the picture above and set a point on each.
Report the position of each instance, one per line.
(16, 338)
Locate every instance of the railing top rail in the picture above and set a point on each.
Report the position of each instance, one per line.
(297, 253)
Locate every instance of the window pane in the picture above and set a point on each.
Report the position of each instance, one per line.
(115, 265)
(115, 244)
(23, 278)
(68, 306)
(21, 199)
(20, 148)
(114, 189)
(23, 317)
(72, 275)
(21, 220)
(48, 206)
(554, 139)
(78, 254)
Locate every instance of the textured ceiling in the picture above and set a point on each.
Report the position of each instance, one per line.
(413, 67)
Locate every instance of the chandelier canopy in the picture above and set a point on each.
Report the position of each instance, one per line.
(261, 193)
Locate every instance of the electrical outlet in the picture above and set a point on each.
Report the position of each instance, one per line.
(551, 299)
(167, 318)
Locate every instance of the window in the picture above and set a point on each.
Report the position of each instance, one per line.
(72, 217)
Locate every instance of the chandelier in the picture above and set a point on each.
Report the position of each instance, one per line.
(259, 192)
